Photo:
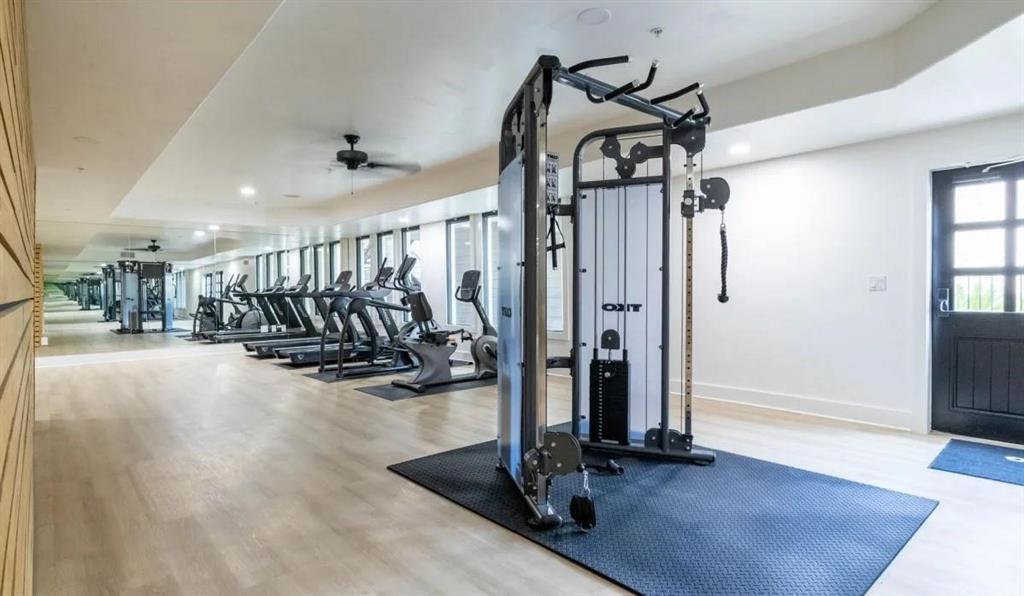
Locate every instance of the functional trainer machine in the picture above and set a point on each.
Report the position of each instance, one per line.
(147, 294)
(111, 295)
(89, 293)
(621, 264)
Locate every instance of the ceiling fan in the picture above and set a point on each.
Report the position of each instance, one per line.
(353, 159)
(153, 247)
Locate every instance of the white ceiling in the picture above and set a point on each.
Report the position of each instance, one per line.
(261, 98)
(83, 247)
(428, 82)
(111, 82)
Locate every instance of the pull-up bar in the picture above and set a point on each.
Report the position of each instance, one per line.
(599, 92)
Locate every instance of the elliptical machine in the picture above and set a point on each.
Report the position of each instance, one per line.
(207, 318)
(433, 346)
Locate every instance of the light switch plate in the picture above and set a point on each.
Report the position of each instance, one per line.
(877, 283)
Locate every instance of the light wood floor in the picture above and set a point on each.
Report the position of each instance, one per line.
(213, 473)
(80, 332)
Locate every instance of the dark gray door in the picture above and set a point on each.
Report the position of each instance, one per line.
(978, 302)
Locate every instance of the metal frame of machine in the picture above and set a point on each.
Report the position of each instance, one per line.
(530, 453)
(135, 307)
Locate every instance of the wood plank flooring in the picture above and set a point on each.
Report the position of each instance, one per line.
(211, 472)
(77, 331)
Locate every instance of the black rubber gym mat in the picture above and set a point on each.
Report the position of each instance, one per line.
(740, 526)
(393, 393)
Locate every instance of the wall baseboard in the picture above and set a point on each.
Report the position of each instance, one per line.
(798, 404)
(801, 404)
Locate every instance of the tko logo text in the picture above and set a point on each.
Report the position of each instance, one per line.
(619, 307)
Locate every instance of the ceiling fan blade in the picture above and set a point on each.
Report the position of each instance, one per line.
(404, 167)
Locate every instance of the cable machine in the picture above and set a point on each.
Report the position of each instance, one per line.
(147, 294)
(620, 359)
(111, 293)
(89, 292)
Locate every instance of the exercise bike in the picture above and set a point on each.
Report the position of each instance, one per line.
(434, 346)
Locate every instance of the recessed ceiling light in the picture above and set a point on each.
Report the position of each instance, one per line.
(403, 219)
(247, 191)
(199, 233)
(213, 227)
(594, 16)
(739, 149)
(268, 248)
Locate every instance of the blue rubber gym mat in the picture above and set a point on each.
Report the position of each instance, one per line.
(993, 462)
(740, 526)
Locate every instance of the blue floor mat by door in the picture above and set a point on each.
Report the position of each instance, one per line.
(1004, 464)
(740, 526)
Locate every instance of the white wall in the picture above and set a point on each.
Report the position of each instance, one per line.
(801, 331)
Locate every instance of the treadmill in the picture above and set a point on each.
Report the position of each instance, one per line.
(309, 354)
(285, 309)
(375, 355)
(266, 348)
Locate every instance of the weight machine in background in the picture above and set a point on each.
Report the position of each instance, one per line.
(147, 295)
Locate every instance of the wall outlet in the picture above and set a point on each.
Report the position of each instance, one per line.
(877, 283)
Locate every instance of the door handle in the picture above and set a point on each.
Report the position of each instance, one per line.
(944, 305)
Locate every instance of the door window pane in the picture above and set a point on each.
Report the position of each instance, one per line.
(984, 201)
(979, 248)
(983, 293)
(460, 259)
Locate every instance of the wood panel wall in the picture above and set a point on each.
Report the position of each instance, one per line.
(17, 273)
(37, 295)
